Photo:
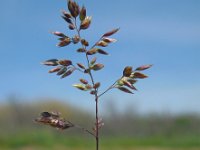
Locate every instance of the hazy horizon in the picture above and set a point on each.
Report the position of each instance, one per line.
(163, 33)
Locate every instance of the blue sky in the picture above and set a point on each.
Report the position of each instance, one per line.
(164, 33)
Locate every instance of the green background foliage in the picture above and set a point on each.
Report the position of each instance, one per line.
(121, 131)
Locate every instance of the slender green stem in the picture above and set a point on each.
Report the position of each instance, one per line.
(82, 128)
(97, 123)
(96, 43)
(96, 101)
(96, 90)
(109, 88)
(77, 68)
(85, 130)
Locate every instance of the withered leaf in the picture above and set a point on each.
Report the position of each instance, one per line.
(70, 6)
(127, 71)
(68, 20)
(64, 42)
(100, 123)
(45, 114)
(97, 85)
(77, 9)
(73, 8)
(50, 114)
(81, 50)
(82, 13)
(128, 84)
(86, 70)
(57, 33)
(100, 51)
(86, 23)
(76, 39)
(71, 26)
(125, 90)
(92, 51)
(144, 67)
(120, 82)
(51, 62)
(62, 71)
(80, 87)
(67, 73)
(93, 92)
(88, 87)
(139, 75)
(97, 67)
(92, 62)
(55, 114)
(102, 44)
(65, 62)
(54, 120)
(111, 32)
(81, 65)
(55, 69)
(132, 81)
(83, 81)
(84, 42)
(109, 40)
(66, 14)
(61, 39)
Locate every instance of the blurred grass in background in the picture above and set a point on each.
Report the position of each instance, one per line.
(125, 130)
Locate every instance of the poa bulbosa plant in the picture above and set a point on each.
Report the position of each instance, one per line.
(77, 20)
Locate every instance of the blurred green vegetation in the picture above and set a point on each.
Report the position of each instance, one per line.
(125, 130)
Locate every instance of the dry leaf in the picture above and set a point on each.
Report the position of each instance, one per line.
(82, 13)
(83, 81)
(125, 90)
(144, 67)
(97, 67)
(86, 23)
(127, 71)
(81, 65)
(80, 87)
(55, 69)
(67, 73)
(51, 62)
(111, 32)
(65, 62)
(139, 75)
(100, 51)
